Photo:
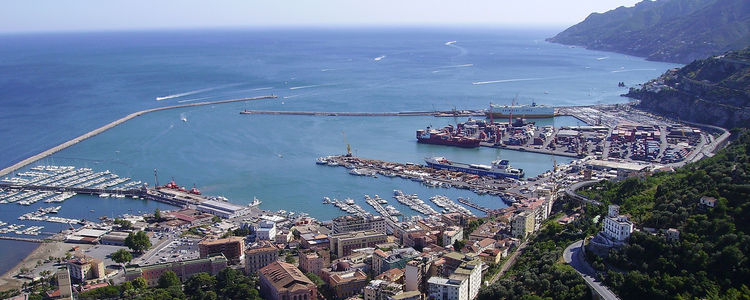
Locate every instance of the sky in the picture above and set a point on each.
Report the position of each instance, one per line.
(103, 15)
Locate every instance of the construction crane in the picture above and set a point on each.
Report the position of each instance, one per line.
(348, 147)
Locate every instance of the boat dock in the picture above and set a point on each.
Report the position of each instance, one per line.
(467, 202)
(104, 128)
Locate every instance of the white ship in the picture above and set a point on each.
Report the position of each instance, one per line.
(522, 111)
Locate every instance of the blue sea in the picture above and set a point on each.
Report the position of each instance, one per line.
(56, 86)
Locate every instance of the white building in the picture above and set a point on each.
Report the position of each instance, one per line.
(223, 209)
(447, 289)
(266, 231)
(452, 234)
(358, 223)
(616, 226)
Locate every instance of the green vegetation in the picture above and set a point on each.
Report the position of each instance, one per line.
(473, 225)
(138, 241)
(169, 279)
(157, 215)
(124, 224)
(539, 272)
(228, 284)
(676, 31)
(710, 260)
(458, 245)
(122, 256)
(715, 91)
(315, 279)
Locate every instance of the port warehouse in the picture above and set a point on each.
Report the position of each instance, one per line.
(218, 208)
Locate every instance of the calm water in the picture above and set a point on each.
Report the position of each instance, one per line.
(57, 86)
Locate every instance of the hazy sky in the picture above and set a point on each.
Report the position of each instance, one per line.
(94, 15)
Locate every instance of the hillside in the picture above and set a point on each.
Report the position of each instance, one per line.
(665, 30)
(710, 259)
(712, 91)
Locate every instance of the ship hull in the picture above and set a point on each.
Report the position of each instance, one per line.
(462, 144)
(460, 167)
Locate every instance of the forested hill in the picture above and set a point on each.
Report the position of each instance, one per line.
(711, 259)
(665, 30)
(712, 91)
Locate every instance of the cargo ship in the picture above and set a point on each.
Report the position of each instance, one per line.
(445, 137)
(526, 111)
(498, 169)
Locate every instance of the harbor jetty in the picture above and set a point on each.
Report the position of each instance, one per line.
(104, 128)
(466, 113)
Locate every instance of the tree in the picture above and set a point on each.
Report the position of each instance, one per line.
(168, 279)
(215, 219)
(139, 283)
(315, 279)
(458, 245)
(124, 224)
(157, 215)
(122, 256)
(198, 284)
(138, 241)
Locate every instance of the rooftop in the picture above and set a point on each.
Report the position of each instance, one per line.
(284, 276)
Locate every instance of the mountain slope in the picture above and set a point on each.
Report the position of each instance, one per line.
(712, 91)
(665, 30)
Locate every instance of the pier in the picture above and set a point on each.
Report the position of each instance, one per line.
(147, 194)
(104, 128)
(471, 113)
(13, 238)
(473, 205)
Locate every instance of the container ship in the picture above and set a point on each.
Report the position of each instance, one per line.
(498, 169)
(527, 111)
(446, 137)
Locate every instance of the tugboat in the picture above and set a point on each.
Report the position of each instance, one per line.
(498, 169)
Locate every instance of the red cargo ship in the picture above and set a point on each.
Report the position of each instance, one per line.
(445, 137)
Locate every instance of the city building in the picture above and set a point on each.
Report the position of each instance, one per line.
(86, 268)
(396, 258)
(416, 274)
(116, 238)
(283, 281)
(184, 269)
(452, 234)
(440, 288)
(523, 224)
(266, 231)
(223, 209)
(342, 244)
(393, 275)
(259, 256)
(381, 290)
(314, 241)
(314, 261)
(350, 223)
(617, 227)
(347, 283)
(232, 247)
(63, 284)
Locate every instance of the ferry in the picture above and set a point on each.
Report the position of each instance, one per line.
(526, 111)
(498, 169)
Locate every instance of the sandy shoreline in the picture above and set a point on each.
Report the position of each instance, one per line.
(44, 251)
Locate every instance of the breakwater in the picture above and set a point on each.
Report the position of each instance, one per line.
(366, 114)
(104, 128)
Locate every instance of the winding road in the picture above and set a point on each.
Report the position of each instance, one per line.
(573, 256)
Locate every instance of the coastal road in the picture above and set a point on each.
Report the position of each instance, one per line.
(573, 256)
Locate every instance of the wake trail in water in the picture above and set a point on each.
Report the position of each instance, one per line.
(379, 58)
(305, 86)
(196, 91)
(505, 80)
(602, 58)
(461, 50)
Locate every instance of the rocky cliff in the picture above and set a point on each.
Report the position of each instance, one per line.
(665, 30)
(712, 91)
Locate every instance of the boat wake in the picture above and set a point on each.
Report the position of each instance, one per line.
(379, 58)
(195, 92)
(632, 70)
(450, 43)
(263, 88)
(326, 70)
(305, 86)
(602, 58)
(462, 50)
(505, 80)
